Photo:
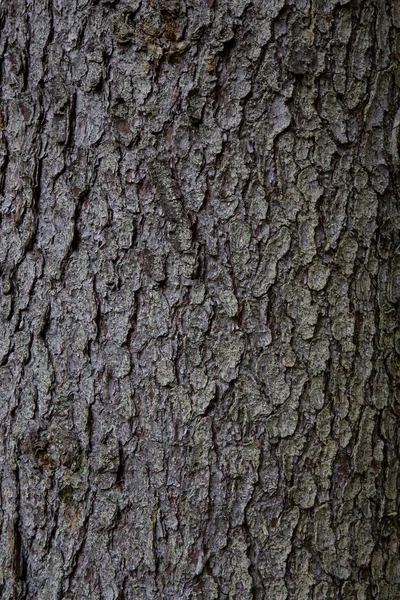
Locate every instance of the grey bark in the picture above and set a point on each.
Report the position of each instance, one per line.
(200, 286)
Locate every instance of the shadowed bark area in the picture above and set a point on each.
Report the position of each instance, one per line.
(200, 293)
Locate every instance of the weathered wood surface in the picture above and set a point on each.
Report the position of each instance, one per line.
(199, 310)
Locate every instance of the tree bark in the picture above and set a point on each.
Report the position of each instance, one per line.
(200, 294)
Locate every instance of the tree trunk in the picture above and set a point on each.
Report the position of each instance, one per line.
(200, 286)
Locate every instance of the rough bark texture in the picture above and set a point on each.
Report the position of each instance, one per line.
(200, 290)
